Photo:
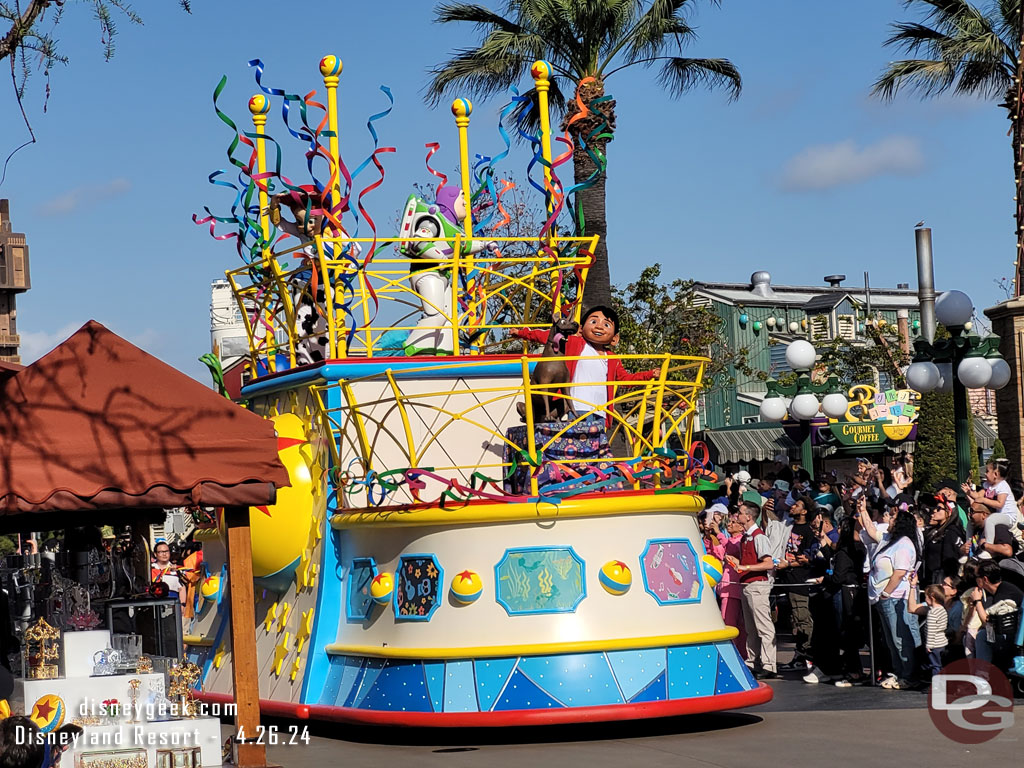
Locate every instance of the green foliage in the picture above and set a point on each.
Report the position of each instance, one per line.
(998, 450)
(859, 363)
(935, 449)
(8, 545)
(657, 318)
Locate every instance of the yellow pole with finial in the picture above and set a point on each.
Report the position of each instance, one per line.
(541, 72)
(259, 107)
(462, 109)
(330, 68)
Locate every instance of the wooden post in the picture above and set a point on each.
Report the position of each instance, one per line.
(243, 638)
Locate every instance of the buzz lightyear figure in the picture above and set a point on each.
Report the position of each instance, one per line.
(432, 282)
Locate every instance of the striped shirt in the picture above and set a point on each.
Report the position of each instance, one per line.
(935, 633)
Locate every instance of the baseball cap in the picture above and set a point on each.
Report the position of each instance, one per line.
(754, 498)
(743, 476)
(718, 509)
(948, 483)
(781, 458)
(781, 485)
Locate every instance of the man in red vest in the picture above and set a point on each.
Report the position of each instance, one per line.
(754, 567)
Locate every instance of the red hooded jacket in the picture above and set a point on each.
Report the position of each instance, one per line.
(574, 346)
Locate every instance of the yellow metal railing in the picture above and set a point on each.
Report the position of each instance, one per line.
(449, 422)
(362, 302)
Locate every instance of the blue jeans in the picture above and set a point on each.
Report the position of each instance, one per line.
(898, 637)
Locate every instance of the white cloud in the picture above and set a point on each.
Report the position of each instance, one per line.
(825, 166)
(84, 197)
(35, 344)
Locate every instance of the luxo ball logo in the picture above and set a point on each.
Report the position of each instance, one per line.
(971, 702)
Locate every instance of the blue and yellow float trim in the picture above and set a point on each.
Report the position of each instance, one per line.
(385, 686)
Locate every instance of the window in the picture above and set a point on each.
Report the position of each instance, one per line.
(751, 419)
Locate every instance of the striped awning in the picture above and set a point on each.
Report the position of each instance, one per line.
(760, 441)
(984, 435)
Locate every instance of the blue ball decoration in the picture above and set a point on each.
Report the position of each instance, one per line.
(744, 318)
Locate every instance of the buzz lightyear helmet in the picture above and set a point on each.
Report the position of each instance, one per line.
(419, 214)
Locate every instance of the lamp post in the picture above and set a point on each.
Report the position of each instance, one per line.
(975, 360)
(804, 404)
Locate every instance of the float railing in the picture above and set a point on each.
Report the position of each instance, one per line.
(477, 428)
(361, 307)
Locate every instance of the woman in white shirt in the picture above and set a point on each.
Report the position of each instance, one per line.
(997, 496)
(888, 587)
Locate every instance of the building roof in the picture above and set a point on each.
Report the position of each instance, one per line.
(825, 301)
(100, 424)
(799, 295)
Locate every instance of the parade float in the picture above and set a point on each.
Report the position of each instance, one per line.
(444, 555)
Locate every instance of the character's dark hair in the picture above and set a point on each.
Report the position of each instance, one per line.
(608, 312)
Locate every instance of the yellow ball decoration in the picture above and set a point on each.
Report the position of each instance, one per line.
(259, 104)
(541, 70)
(462, 108)
(5, 709)
(330, 66)
(210, 587)
(467, 587)
(712, 568)
(48, 712)
(616, 577)
(280, 532)
(382, 587)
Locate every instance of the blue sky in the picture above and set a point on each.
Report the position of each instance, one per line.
(805, 175)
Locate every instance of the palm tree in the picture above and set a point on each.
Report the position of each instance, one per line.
(969, 50)
(581, 39)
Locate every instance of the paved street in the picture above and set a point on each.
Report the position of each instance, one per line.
(803, 726)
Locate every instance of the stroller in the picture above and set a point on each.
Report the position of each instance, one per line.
(1013, 572)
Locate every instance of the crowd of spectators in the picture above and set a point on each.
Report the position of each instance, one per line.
(917, 576)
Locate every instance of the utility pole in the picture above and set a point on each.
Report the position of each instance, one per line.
(1017, 118)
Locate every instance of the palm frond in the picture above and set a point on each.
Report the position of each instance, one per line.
(556, 103)
(483, 18)
(474, 72)
(924, 76)
(679, 75)
(661, 25)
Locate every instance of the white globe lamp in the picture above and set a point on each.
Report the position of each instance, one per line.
(974, 372)
(834, 405)
(954, 309)
(804, 406)
(1001, 373)
(923, 376)
(800, 356)
(773, 409)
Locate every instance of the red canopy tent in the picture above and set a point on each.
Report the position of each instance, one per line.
(98, 424)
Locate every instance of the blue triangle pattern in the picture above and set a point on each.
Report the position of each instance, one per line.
(521, 693)
(459, 687)
(400, 687)
(726, 681)
(731, 656)
(371, 669)
(491, 675)
(691, 671)
(653, 692)
(341, 678)
(575, 679)
(434, 672)
(634, 670)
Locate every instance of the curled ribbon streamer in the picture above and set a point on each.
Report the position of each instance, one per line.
(432, 148)
(373, 158)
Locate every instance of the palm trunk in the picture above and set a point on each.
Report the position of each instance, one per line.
(591, 202)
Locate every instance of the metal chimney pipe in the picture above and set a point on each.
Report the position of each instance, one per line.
(926, 282)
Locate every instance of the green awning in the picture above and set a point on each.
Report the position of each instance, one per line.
(984, 435)
(760, 441)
